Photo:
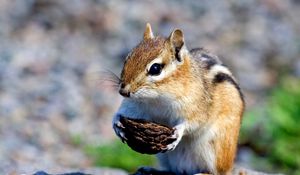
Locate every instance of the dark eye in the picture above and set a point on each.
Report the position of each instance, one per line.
(155, 69)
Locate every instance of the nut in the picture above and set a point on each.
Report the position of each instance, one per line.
(146, 137)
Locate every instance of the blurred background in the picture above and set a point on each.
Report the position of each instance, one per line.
(56, 112)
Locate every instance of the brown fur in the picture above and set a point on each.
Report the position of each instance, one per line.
(140, 56)
(148, 32)
(228, 106)
(203, 101)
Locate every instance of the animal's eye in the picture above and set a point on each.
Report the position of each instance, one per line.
(155, 69)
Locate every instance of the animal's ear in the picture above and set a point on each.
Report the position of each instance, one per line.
(148, 32)
(176, 40)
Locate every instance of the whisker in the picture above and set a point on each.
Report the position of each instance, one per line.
(104, 78)
(113, 86)
(109, 80)
(110, 74)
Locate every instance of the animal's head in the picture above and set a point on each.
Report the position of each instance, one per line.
(155, 67)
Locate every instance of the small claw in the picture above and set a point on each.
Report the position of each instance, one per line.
(164, 150)
(175, 135)
(120, 125)
(171, 146)
(119, 132)
(178, 133)
(122, 135)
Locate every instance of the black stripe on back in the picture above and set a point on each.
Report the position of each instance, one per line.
(210, 62)
(205, 57)
(222, 77)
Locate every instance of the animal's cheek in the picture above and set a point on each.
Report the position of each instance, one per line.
(134, 87)
(139, 84)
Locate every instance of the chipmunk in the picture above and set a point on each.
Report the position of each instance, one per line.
(191, 91)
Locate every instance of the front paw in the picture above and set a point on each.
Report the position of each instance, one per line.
(178, 133)
(119, 128)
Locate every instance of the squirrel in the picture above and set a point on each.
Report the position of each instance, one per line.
(191, 91)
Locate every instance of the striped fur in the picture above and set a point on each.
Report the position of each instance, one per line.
(194, 91)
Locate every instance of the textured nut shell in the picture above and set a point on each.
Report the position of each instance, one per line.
(146, 137)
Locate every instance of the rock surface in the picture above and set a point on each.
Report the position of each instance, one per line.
(73, 171)
(237, 171)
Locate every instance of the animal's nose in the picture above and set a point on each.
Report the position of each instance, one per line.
(122, 85)
(124, 92)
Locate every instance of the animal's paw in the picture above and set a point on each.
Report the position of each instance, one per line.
(147, 137)
(178, 133)
(119, 128)
(172, 146)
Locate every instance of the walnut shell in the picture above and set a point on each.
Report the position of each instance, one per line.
(146, 137)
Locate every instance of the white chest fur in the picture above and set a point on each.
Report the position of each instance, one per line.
(192, 155)
(158, 111)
